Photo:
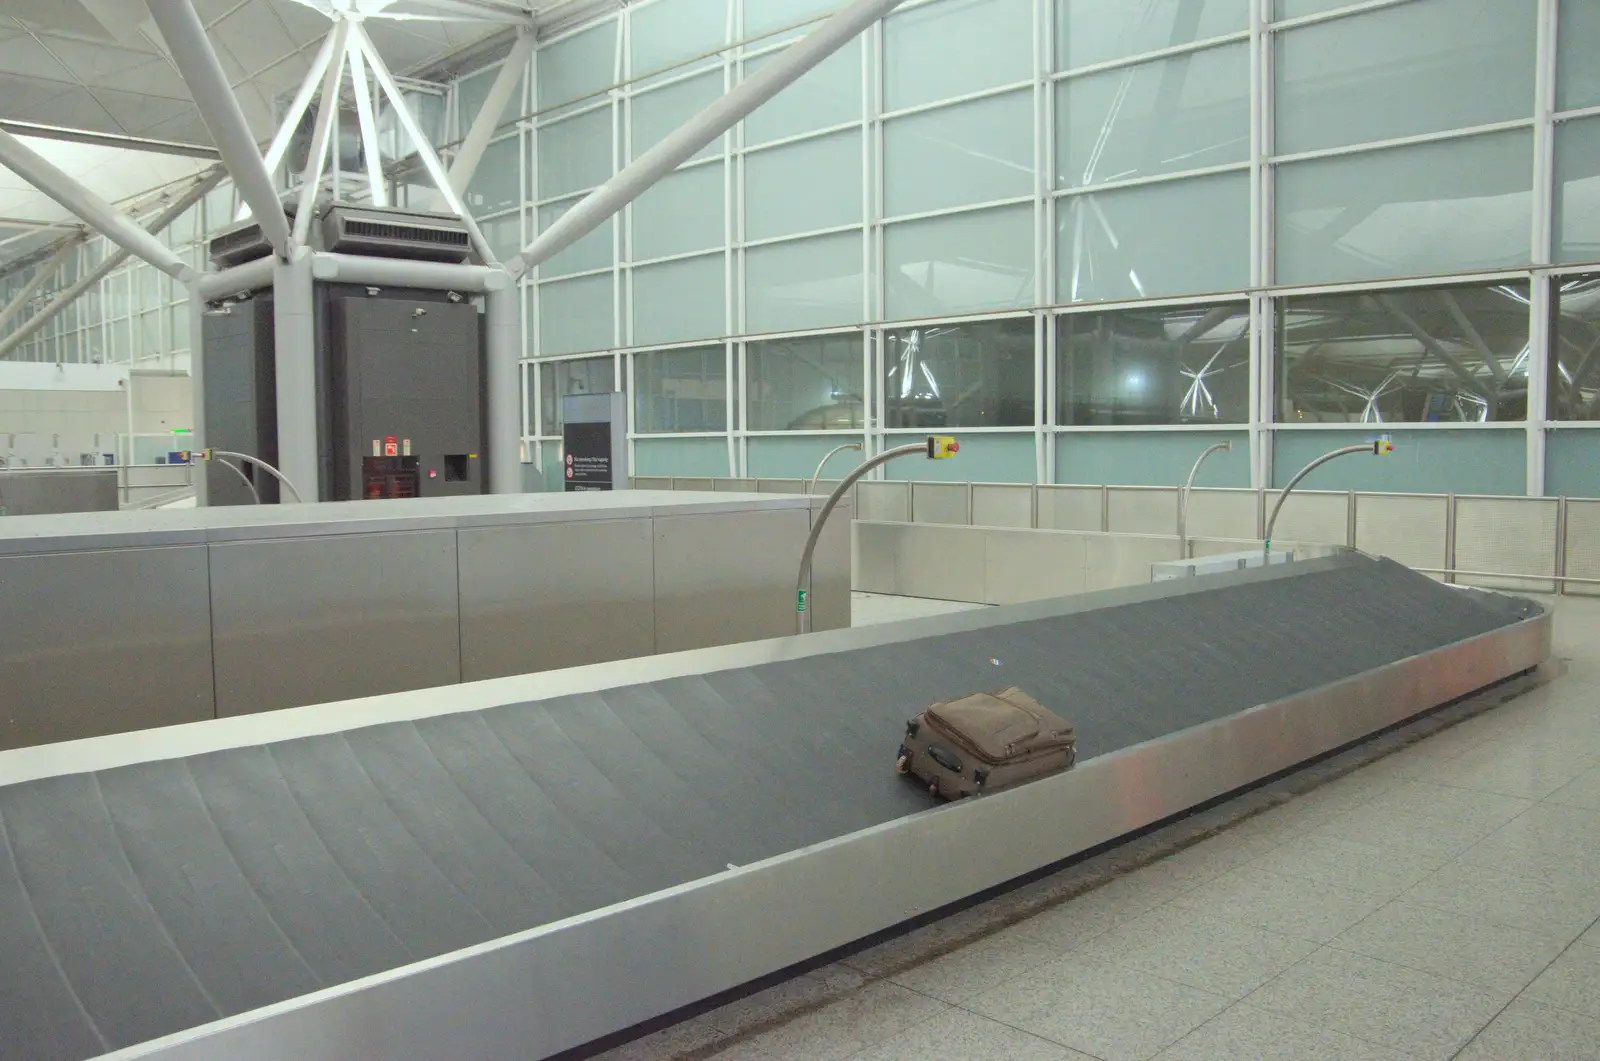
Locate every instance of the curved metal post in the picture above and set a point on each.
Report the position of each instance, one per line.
(812, 488)
(802, 615)
(215, 454)
(1183, 498)
(1365, 447)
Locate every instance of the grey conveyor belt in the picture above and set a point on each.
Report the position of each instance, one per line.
(151, 898)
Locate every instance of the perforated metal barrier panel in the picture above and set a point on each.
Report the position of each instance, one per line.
(1002, 505)
(1312, 516)
(939, 503)
(889, 501)
(1583, 545)
(1225, 514)
(1412, 529)
(1141, 510)
(1515, 535)
(1070, 508)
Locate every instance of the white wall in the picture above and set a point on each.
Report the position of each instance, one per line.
(53, 413)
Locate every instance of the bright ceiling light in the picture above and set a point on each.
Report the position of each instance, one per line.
(432, 10)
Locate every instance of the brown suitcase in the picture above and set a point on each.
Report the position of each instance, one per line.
(984, 743)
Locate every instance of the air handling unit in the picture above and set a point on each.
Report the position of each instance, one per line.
(399, 368)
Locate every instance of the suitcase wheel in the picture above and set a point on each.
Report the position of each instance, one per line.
(902, 763)
(933, 789)
(911, 727)
(979, 777)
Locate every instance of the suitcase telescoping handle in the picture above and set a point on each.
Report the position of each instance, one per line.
(945, 758)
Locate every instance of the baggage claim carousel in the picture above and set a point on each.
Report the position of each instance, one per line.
(522, 867)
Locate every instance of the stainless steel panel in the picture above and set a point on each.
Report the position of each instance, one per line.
(33, 492)
(886, 501)
(1029, 565)
(103, 642)
(1516, 535)
(718, 579)
(1312, 516)
(1142, 510)
(1115, 560)
(652, 482)
(1002, 505)
(939, 503)
(542, 596)
(736, 486)
(1075, 508)
(559, 987)
(781, 486)
(918, 560)
(1583, 545)
(315, 620)
(831, 577)
(700, 485)
(1407, 528)
(1224, 514)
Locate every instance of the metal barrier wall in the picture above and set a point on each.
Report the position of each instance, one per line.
(1530, 544)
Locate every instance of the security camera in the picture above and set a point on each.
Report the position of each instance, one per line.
(453, 296)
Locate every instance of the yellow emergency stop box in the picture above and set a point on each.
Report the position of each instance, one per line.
(1380, 446)
(942, 447)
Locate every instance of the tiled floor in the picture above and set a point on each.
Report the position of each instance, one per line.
(1419, 899)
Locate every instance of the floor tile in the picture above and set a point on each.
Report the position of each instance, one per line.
(1572, 981)
(842, 1028)
(1104, 1010)
(1556, 905)
(783, 1000)
(962, 1036)
(1281, 903)
(980, 966)
(691, 1037)
(1414, 1012)
(1570, 834)
(1582, 791)
(1246, 1033)
(1592, 936)
(1190, 946)
(1515, 768)
(1440, 941)
(1359, 867)
(1530, 1031)
(1432, 820)
(922, 944)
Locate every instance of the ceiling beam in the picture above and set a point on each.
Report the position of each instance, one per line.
(99, 139)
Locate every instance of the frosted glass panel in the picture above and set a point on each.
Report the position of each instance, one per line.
(1187, 112)
(660, 111)
(1420, 67)
(962, 263)
(1283, 9)
(576, 315)
(582, 64)
(1440, 207)
(803, 186)
(674, 301)
(1173, 238)
(1152, 458)
(1577, 73)
(954, 47)
(985, 458)
(681, 390)
(683, 212)
(827, 96)
(685, 457)
(767, 16)
(574, 153)
(594, 251)
(503, 234)
(957, 156)
(470, 94)
(810, 283)
(1481, 461)
(497, 182)
(1577, 201)
(1093, 31)
(668, 32)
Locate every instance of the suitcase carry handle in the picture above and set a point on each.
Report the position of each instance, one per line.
(945, 758)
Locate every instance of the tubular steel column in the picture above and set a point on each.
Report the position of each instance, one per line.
(503, 321)
(295, 342)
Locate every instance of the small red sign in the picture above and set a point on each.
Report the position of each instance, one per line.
(390, 447)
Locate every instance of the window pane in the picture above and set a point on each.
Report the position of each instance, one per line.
(978, 374)
(811, 383)
(1418, 355)
(1577, 191)
(661, 111)
(682, 212)
(471, 92)
(679, 300)
(955, 47)
(497, 182)
(768, 16)
(1174, 238)
(1441, 207)
(594, 251)
(1577, 73)
(970, 153)
(1575, 344)
(503, 234)
(1285, 9)
(576, 315)
(827, 96)
(961, 263)
(574, 153)
(807, 283)
(582, 64)
(1187, 112)
(803, 186)
(681, 390)
(1094, 31)
(592, 375)
(1168, 365)
(668, 32)
(1420, 67)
